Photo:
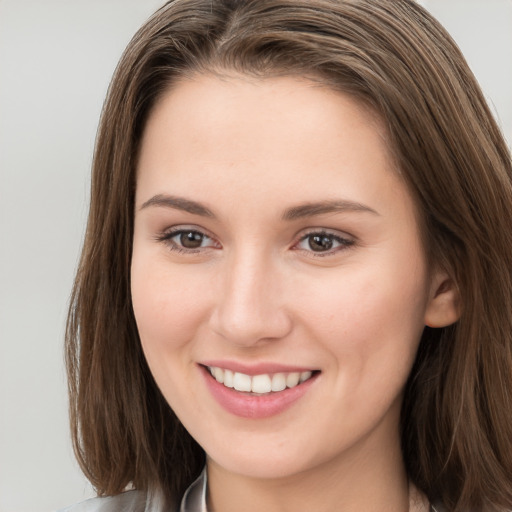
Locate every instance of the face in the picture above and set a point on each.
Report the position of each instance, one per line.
(276, 248)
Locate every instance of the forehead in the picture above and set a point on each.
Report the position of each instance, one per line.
(214, 123)
(209, 96)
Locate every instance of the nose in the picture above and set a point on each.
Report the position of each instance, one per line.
(250, 308)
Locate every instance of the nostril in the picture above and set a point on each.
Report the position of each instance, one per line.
(246, 325)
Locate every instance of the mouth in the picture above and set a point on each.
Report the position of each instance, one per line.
(256, 395)
(262, 384)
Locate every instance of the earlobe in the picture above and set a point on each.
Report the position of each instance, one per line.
(443, 308)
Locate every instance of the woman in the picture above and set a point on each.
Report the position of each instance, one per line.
(295, 285)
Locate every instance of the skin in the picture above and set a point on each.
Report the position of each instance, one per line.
(255, 291)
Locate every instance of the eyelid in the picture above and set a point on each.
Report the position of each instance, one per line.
(345, 240)
(167, 234)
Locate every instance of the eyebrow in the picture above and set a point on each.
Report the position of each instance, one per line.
(178, 203)
(323, 207)
(296, 212)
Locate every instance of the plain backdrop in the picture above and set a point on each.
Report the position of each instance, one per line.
(56, 60)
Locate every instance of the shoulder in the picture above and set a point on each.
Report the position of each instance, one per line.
(130, 501)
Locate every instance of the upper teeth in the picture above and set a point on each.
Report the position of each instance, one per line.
(264, 383)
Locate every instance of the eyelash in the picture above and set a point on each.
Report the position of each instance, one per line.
(167, 238)
(344, 243)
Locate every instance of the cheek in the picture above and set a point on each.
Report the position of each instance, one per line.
(371, 326)
(167, 307)
(368, 318)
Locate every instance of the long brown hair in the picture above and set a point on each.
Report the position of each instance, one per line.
(391, 54)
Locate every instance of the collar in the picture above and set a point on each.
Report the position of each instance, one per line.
(194, 499)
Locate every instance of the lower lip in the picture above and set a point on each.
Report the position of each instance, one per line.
(247, 405)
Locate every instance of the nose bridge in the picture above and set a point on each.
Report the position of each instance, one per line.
(250, 305)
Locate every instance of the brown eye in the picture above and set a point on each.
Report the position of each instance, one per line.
(320, 243)
(191, 239)
(324, 243)
(187, 240)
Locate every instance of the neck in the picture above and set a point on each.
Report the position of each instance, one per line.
(367, 477)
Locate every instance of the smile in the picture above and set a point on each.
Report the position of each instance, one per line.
(258, 395)
(259, 384)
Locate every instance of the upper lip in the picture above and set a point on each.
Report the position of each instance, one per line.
(256, 368)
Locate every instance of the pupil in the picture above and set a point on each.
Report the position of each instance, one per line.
(320, 242)
(191, 239)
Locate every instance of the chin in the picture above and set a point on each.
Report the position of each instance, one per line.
(264, 461)
(261, 468)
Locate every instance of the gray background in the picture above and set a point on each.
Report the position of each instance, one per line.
(56, 60)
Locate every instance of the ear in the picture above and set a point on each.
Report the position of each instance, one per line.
(443, 308)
